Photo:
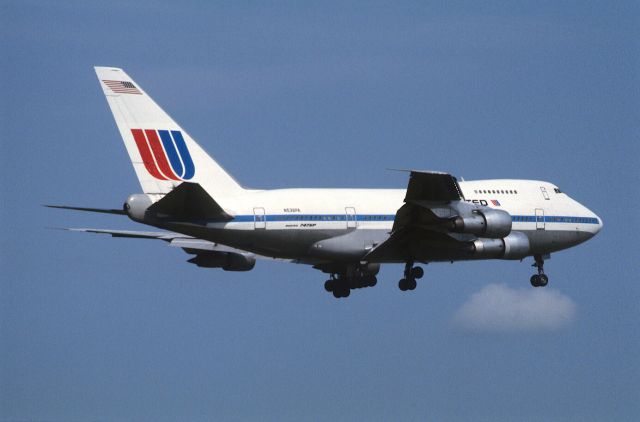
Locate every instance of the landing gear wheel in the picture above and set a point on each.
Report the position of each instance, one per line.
(407, 284)
(368, 281)
(543, 280)
(411, 274)
(535, 280)
(329, 285)
(417, 273)
(403, 285)
(341, 291)
(540, 279)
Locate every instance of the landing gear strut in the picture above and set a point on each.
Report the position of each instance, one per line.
(540, 279)
(411, 274)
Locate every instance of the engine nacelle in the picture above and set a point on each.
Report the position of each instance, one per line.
(514, 246)
(136, 206)
(228, 261)
(488, 222)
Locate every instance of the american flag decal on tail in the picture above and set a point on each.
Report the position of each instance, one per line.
(122, 87)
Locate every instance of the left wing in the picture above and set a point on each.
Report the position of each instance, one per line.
(420, 229)
(432, 186)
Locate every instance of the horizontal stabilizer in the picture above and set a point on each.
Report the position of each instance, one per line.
(100, 210)
(189, 201)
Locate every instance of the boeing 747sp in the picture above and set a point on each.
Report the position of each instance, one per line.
(345, 233)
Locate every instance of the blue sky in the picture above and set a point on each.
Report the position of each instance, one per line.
(327, 95)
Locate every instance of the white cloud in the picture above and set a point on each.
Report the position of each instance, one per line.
(500, 308)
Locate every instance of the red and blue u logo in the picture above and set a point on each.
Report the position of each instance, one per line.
(164, 154)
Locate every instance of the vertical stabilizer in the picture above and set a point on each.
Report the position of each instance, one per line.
(162, 153)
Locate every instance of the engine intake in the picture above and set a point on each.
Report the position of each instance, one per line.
(490, 223)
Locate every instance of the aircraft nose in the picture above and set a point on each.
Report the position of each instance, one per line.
(599, 225)
(596, 225)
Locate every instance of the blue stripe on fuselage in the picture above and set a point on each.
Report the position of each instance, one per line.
(391, 217)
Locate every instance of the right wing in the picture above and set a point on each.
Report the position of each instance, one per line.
(207, 254)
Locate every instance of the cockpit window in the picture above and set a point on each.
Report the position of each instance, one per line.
(556, 190)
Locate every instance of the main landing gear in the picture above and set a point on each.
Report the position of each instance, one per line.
(342, 284)
(411, 274)
(540, 279)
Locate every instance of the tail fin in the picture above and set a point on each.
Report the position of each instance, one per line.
(162, 153)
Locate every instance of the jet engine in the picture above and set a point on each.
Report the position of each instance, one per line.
(514, 246)
(488, 222)
(228, 261)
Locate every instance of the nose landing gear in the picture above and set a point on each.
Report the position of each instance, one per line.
(540, 279)
(411, 274)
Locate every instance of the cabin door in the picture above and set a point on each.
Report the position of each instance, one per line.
(539, 219)
(259, 219)
(351, 217)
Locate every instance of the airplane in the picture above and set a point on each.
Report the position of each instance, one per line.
(345, 233)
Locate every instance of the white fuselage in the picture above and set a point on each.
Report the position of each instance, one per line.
(346, 233)
(287, 223)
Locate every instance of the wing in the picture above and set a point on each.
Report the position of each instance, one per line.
(207, 254)
(168, 236)
(432, 186)
(420, 226)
